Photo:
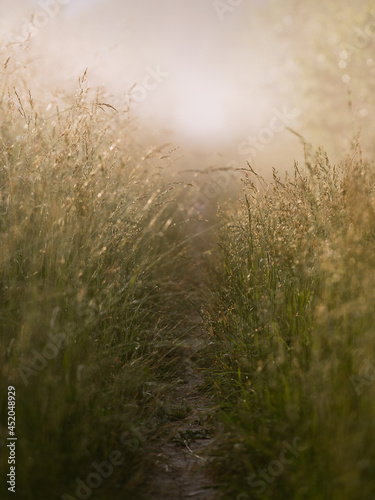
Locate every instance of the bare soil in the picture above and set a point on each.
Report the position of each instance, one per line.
(182, 465)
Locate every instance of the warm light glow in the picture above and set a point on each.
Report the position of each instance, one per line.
(201, 108)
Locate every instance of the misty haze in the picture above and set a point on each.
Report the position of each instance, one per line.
(187, 275)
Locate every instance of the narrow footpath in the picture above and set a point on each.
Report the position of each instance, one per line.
(182, 465)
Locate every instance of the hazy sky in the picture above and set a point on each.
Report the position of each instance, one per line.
(206, 72)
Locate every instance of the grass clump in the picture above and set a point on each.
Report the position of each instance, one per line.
(293, 330)
(89, 256)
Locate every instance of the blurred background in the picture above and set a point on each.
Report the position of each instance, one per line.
(228, 81)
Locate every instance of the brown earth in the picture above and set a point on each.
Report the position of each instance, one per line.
(182, 465)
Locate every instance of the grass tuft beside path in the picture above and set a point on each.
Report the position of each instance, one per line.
(293, 334)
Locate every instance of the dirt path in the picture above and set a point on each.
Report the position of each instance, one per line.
(181, 463)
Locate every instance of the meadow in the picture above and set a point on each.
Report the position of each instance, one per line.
(105, 260)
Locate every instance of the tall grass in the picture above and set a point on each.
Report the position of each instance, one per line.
(293, 332)
(99, 278)
(90, 250)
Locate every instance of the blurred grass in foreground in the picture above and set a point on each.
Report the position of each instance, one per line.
(90, 249)
(293, 324)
